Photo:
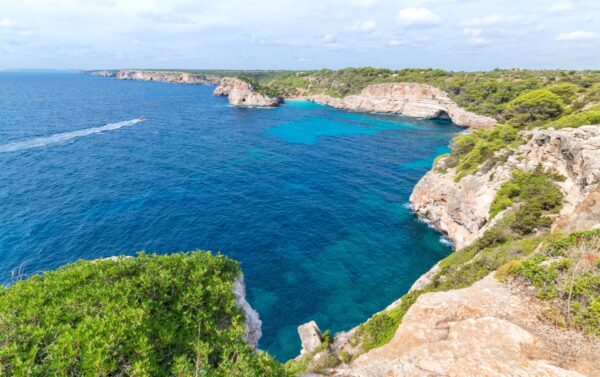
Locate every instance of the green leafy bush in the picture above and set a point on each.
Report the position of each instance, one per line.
(534, 107)
(470, 150)
(169, 315)
(588, 117)
(566, 91)
(536, 189)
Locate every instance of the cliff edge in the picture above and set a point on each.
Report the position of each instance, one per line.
(409, 99)
(242, 93)
(460, 209)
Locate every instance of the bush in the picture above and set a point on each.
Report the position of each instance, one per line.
(470, 150)
(566, 91)
(589, 117)
(538, 193)
(534, 107)
(169, 315)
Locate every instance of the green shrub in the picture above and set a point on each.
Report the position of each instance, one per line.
(145, 316)
(538, 192)
(566, 91)
(470, 150)
(534, 107)
(589, 117)
(507, 269)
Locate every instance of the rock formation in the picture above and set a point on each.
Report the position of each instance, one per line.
(241, 93)
(484, 330)
(409, 99)
(253, 323)
(163, 76)
(310, 336)
(460, 209)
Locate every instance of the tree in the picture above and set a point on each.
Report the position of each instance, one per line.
(534, 107)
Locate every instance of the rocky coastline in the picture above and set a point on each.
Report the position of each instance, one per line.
(242, 93)
(175, 77)
(408, 99)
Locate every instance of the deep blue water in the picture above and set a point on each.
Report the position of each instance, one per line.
(311, 200)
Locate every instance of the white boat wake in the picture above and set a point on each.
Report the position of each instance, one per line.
(57, 138)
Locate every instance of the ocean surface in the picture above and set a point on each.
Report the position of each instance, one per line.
(311, 200)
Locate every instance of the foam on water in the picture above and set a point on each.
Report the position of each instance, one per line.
(65, 136)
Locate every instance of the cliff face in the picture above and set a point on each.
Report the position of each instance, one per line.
(484, 330)
(409, 99)
(163, 76)
(241, 93)
(460, 209)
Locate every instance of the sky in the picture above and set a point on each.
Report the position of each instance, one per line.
(299, 34)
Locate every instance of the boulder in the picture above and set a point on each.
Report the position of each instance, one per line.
(310, 336)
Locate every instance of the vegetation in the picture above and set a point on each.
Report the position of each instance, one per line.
(588, 117)
(170, 315)
(566, 273)
(470, 150)
(534, 107)
(329, 360)
(538, 191)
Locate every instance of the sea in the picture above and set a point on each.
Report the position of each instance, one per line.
(312, 201)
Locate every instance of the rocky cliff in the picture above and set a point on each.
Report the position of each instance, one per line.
(461, 209)
(241, 93)
(487, 329)
(163, 76)
(409, 99)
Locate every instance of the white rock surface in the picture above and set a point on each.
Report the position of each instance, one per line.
(253, 322)
(310, 336)
(483, 330)
(410, 99)
(241, 93)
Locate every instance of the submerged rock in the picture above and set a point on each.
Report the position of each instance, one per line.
(410, 99)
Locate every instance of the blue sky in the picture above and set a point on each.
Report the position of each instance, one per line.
(299, 34)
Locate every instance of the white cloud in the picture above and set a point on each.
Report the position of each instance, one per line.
(481, 21)
(418, 17)
(366, 26)
(7, 23)
(396, 42)
(561, 7)
(364, 3)
(577, 35)
(329, 38)
(478, 41)
(473, 32)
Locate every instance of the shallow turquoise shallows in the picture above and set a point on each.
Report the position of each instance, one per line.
(311, 200)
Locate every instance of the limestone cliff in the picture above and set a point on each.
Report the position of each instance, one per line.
(487, 329)
(241, 93)
(461, 209)
(163, 76)
(409, 99)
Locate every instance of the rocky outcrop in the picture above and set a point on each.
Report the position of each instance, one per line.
(461, 209)
(310, 336)
(163, 76)
(104, 73)
(409, 99)
(253, 323)
(241, 93)
(484, 330)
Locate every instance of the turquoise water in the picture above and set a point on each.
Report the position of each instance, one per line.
(311, 200)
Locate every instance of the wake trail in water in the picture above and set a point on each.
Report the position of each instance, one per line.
(57, 138)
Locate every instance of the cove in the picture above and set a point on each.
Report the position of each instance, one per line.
(311, 200)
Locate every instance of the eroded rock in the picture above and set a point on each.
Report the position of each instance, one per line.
(241, 93)
(310, 336)
(410, 99)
